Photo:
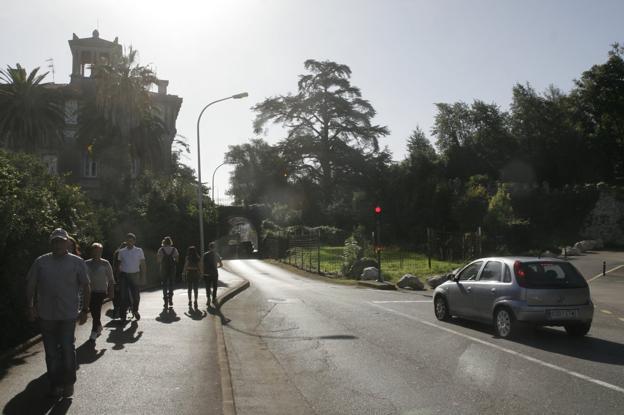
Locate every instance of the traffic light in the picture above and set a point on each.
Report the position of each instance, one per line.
(377, 210)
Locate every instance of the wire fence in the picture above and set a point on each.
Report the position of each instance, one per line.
(305, 250)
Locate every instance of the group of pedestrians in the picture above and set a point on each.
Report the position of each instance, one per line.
(63, 289)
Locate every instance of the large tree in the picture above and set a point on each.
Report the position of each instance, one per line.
(599, 105)
(329, 126)
(31, 113)
(260, 174)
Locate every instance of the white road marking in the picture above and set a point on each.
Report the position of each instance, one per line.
(506, 350)
(606, 311)
(401, 301)
(611, 270)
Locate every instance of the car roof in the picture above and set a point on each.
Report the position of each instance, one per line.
(519, 258)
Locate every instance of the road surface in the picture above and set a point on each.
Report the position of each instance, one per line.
(302, 346)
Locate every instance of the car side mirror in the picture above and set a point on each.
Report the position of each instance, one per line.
(456, 278)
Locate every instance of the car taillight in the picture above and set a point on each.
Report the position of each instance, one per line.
(520, 274)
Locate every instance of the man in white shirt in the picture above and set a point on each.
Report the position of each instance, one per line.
(132, 270)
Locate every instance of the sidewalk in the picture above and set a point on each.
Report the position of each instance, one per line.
(168, 362)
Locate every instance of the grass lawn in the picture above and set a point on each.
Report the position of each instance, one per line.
(394, 262)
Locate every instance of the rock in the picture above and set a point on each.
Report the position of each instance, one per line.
(358, 267)
(437, 280)
(370, 273)
(410, 281)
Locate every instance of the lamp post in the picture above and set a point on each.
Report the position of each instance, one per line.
(199, 182)
(213, 176)
(213, 197)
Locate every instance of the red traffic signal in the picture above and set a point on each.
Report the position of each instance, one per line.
(377, 210)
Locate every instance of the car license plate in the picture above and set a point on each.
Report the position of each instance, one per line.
(562, 314)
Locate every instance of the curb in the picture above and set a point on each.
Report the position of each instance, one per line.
(232, 292)
(377, 285)
(227, 390)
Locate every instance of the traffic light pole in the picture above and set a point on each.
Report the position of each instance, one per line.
(378, 220)
(380, 278)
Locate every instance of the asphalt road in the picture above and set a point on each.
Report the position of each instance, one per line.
(302, 346)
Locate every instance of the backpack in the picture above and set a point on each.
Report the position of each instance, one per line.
(168, 261)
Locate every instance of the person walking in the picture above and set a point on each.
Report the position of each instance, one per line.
(117, 293)
(52, 286)
(102, 285)
(191, 273)
(167, 258)
(211, 262)
(132, 271)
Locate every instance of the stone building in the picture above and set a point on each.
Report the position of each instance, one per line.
(83, 168)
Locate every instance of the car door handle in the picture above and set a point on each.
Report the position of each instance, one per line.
(493, 290)
(468, 288)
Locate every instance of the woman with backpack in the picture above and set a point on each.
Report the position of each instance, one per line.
(191, 273)
(167, 257)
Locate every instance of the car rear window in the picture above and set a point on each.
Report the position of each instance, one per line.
(552, 275)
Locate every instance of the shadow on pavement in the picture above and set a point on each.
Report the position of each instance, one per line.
(14, 361)
(217, 312)
(119, 337)
(557, 341)
(195, 314)
(168, 316)
(34, 400)
(87, 353)
(222, 284)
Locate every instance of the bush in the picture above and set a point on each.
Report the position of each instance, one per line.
(32, 204)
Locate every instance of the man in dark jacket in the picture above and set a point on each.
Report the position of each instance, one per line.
(211, 262)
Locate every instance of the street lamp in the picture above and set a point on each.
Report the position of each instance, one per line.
(199, 182)
(213, 176)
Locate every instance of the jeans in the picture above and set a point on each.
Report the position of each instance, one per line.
(96, 309)
(211, 283)
(193, 284)
(60, 352)
(129, 292)
(167, 281)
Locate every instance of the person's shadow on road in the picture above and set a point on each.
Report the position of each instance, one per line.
(216, 311)
(195, 314)
(119, 337)
(168, 316)
(87, 353)
(34, 400)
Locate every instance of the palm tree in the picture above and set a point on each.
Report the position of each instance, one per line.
(120, 114)
(31, 113)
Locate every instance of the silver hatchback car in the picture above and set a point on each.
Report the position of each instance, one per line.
(508, 290)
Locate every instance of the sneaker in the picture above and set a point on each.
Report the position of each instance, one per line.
(136, 315)
(68, 391)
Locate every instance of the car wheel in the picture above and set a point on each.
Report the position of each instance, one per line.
(440, 307)
(504, 323)
(578, 330)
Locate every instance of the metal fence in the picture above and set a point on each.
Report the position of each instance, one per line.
(304, 249)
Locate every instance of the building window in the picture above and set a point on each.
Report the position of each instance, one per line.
(51, 163)
(135, 168)
(71, 112)
(89, 166)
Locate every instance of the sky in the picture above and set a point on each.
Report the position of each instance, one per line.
(405, 55)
